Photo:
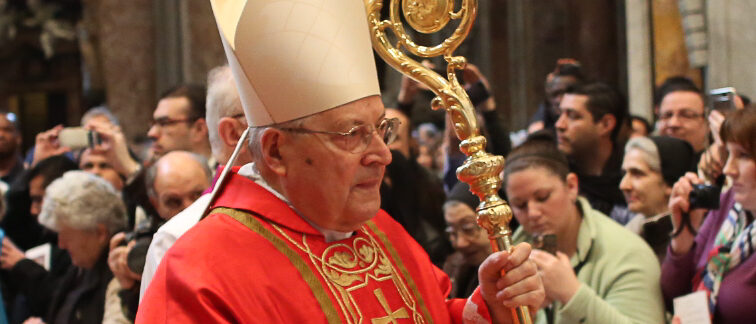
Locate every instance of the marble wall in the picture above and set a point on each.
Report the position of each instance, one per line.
(732, 45)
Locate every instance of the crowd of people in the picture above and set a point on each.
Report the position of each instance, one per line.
(624, 214)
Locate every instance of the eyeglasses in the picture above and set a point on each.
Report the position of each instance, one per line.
(469, 230)
(682, 114)
(357, 139)
(167, 121)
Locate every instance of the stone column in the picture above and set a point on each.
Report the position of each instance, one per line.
(127, 38)
(639, 69)
(202, 46)
(188, 42)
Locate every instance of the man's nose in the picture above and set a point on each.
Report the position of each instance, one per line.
(561, 123)
(377, 151)
(674, 120)
(153, 132)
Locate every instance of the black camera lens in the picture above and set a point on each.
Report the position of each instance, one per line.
(704, 196)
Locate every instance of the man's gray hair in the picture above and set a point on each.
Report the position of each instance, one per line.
(82, 201)
(151, 173)
(222, 101)
(651, 152)
(99, 111)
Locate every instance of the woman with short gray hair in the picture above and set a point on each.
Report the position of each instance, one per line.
(85, 211)
(82, 201)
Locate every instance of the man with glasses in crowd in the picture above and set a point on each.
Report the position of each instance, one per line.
(297, 236)
(178, 123)
(682, 112)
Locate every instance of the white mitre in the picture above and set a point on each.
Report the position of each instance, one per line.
(295, 58)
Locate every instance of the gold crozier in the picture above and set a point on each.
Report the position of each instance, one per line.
(481, 169)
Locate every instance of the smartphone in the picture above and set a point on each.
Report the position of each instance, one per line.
(78, 138)
(722, 99)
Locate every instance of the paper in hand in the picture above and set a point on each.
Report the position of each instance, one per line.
(692, 308)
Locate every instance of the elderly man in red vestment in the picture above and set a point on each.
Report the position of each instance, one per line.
(298, 236)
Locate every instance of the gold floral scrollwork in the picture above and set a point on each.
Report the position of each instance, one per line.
(383, 267)
(366, 253)
(344, 265)
(343, 259)
(340, 278)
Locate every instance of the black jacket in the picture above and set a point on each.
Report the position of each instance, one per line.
(81, 294)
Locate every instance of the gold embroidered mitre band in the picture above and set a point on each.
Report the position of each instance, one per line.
(295, 58)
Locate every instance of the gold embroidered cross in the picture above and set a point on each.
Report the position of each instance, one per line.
(391, 316)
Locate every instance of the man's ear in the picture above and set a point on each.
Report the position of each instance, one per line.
(200, 130)
(102, 234)
(606, 124)
(271, 142)
(228, 131)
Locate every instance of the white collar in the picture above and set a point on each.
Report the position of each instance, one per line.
(250, 172)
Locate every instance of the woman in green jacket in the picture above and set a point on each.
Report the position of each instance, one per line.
(599, 272)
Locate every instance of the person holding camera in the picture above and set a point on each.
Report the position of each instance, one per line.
(173, 183)
(711, 251)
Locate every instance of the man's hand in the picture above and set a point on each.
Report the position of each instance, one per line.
(559, 280)
(10, 254)
(114, 147)
(510, 280)
(47, 145)
(117, 260)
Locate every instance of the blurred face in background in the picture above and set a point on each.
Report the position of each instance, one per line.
(36, 194)
(577, 132)
(10, 139)
(172, 126)
(403, 139)
(556, 88)
(465, 234)
(179, 181)
(96, 163)
(682, 115)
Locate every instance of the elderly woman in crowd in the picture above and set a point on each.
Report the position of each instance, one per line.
(716, 257)
(652, 165)
(600, 272)
(85, 211)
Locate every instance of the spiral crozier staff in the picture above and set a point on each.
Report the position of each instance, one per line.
(481, 170)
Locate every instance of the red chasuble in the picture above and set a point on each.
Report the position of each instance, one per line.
(254, 260)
